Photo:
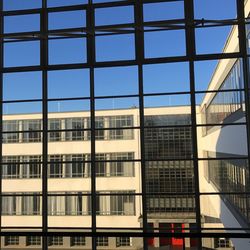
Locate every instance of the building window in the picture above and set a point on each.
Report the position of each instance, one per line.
(99, 124)
(222, 243)
(115, 204)
(11, 205)
(77, 204)
(55, 241)
(78, 241)
(122, 167)
(31, 166)
(118, 122)
(76, 166)
(102, 241)
(11, 240)
(31, 205)
(11, 167)
(10, 126)
(33, 240)
(54, 124)
(55, 166)
(33, 127)
(123, 241)
(101, 169)
(69, 204)
(25, 204)
(76, 124)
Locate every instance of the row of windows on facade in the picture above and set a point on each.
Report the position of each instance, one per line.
(70, 204)
(81, 125)
(69, 166)
(107, 165)
(82, 241)
(231, 176)
(225, 104)
(107, 203)
(59, 241)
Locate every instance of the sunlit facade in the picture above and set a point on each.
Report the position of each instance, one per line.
(124, 124)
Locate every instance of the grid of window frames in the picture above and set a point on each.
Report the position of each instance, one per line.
(167, 150)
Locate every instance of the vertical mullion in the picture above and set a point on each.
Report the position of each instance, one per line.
(1, 103)
(245, 66)
(190, 45)
(44, 64)
(91, 61)
(139, 47)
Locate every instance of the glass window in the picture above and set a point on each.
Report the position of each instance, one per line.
(67, 19)
(123, 241)
(11, 240)
(122, 167)
(76, 125)
(78, 241)
(9, 126)
(11, 167)
(115, 204)
(54, 124)
(76, 166)
(55, 166)
(31, 205)
(120, 122)
(102, 241)
(17, 54)
(101, 169)
(33, 127)
(33, 241)
(55, 241)
(21, 23)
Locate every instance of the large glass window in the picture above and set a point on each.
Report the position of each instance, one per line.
(126, 117)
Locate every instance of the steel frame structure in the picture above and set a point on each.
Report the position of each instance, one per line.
(188, 24)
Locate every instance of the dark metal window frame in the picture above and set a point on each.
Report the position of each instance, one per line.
(189, 24)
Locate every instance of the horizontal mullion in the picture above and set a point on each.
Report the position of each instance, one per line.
(123, 62)
(127, 234)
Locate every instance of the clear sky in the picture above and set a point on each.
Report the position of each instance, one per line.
(172, 77)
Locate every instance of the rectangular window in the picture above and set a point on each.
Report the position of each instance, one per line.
(11, 168)
(116, 204)
(11, 205)
(55, 241)
(32, 167)
(101, 165)
(123, 241)
(76, 166)
(99, 124)
(31, 205)
(33, 127)
(11, 240)
(55, 166)
(77, 205)
(33, 241)
(69, 204)
(10, 126)
(222, 243)
(102, 241)
(78, 241)
(54, 124)
(122, 168)
(76, 124)
(120, 122)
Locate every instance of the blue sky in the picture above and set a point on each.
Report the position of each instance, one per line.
(111, 81)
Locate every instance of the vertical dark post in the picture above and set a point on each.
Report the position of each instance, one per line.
(139, 49)
(91, 61)
(1, 104)
(44, 64)
(245, 65)
(190, 45)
